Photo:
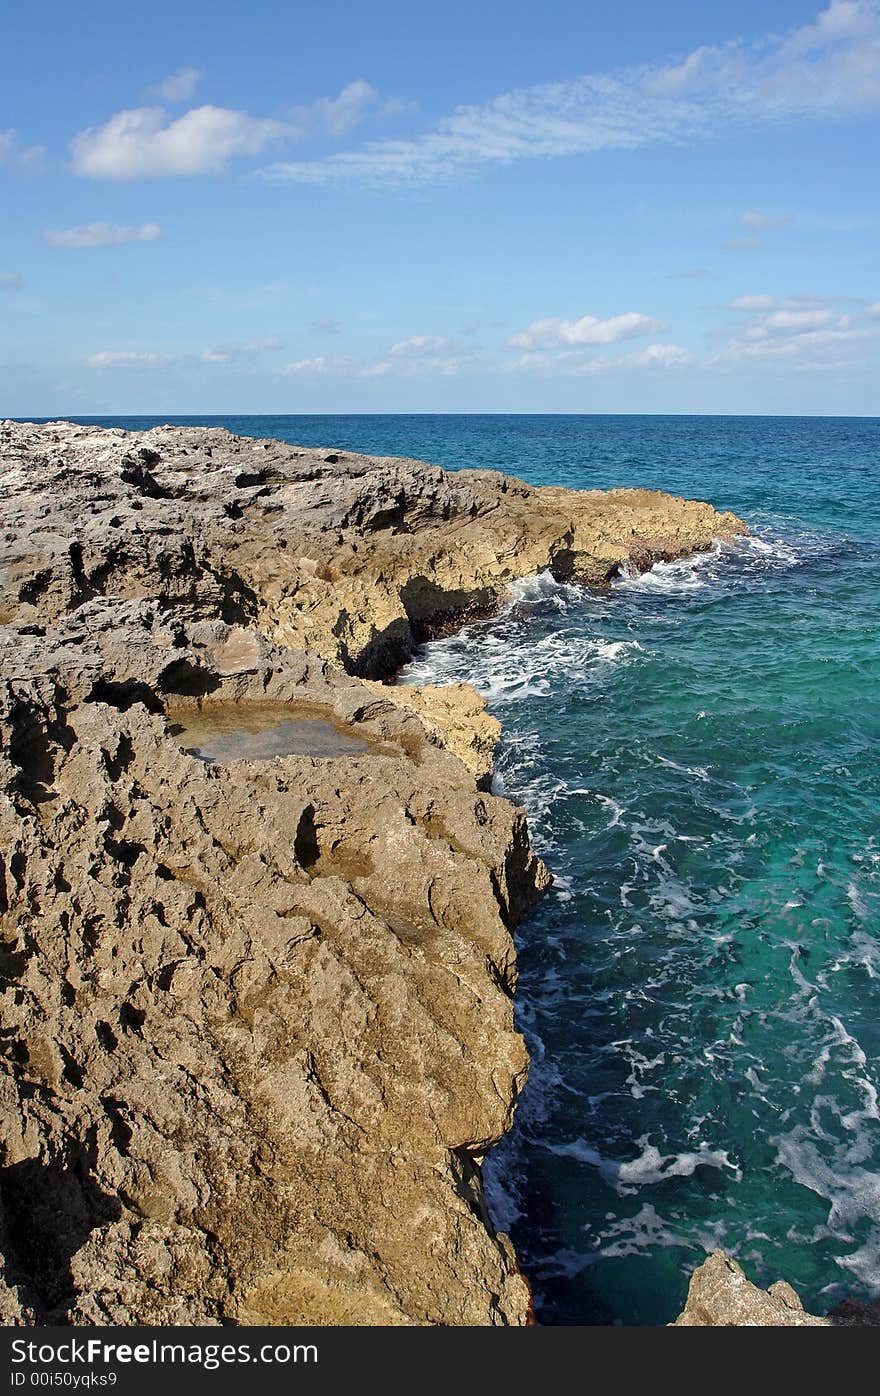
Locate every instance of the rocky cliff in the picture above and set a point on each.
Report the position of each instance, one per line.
(257, 1021)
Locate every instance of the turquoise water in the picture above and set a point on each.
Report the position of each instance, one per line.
(698, 753)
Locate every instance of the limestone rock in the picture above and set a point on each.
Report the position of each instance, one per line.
(351, 557)
(257, 1019)
(720, 1296)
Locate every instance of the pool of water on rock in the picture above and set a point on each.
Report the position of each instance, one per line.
(258, 732)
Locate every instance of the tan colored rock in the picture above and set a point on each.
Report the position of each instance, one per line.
(456, 714)
(257, 1018)
(351, 557)
(720, 1296)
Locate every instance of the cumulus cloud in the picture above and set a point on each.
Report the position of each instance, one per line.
(545, 334)
(179, 86)
(799, 329)
(829, 69)
(111, 358)
(143, 143)
(9, 281)
(339, 114)
(101, 235)
(249, 349)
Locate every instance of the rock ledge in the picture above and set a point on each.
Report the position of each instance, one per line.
(257, 1019)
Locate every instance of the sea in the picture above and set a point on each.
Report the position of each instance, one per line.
(698, 751)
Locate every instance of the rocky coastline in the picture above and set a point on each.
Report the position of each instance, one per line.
(257, 1015)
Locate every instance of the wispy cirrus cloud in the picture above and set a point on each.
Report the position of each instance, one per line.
(830, 68)
(113, 358)
(743, 244)
(249, 349)
(10, 281)
(753, 219)
(577, 363)
(545, 334)
(419, 356)
(12, 152)
(421, 346)
(334, 366)
(101, 235)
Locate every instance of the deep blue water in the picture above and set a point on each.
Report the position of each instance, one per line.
(698, 753)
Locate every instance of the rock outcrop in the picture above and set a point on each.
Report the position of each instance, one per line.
(721, 1296)
(257, 1020)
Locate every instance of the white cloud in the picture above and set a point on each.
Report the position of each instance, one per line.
(545, 334)
(745, 244)
(657, 356)
(752, 219)
(753, 303)
(179, 86)
(421, 346)
(341, 366)
(327, 325)
(9, 281)
(228, 353)
(10, 152)
(142, 143)
(101, 235)
(801, 330)
(828, 69)
(574, 363)
(109, 358)
(785, 321)
(417, 357)
(339, 114)
(145, 142)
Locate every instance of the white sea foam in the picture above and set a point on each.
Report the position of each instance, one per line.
(683, 575)
(683, 954)
(651, 1166)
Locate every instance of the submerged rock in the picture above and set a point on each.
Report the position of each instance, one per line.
(257, 1018)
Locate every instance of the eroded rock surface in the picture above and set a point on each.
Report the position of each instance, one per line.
(721, 1296)
(257, 1021)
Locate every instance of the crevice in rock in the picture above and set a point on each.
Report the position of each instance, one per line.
(50, 1208)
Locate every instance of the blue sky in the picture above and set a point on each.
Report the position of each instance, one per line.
(576, 207)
